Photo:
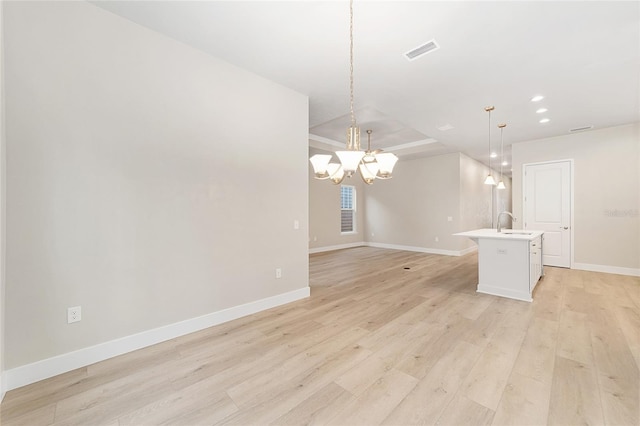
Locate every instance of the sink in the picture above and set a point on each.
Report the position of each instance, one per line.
(517, 232)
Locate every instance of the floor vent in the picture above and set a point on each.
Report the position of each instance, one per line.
(429, 46)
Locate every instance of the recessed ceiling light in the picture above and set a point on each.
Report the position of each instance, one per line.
(505, 163)
(544, 120)
(494, 155)
(537, 98)
(445, 127)
(541, 110)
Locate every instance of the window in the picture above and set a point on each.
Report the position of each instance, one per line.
(347, 209)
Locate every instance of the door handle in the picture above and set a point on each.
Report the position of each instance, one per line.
(564, 227)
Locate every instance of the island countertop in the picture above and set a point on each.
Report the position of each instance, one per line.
(506, 234)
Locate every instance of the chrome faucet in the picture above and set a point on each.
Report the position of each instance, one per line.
(499, 228)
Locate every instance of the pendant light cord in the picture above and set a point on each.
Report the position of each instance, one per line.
(502, 126)
(490, 141)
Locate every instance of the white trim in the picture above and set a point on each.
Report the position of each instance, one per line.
(504, 292)
(415, 144)
(424, 249)
(322, 142)
(468, 250)
(3, 390)
(395, 247)
(326, 144)
(337, 247)
(40, 370)
(634, 272)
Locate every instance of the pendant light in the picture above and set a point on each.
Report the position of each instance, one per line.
(501, 183)
(489, 180)
(372, 165)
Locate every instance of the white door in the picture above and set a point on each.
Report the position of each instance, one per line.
(547, 207)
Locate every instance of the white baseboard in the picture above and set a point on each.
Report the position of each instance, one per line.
(3, 387)
(468, 250)
(503, 292)
(634, 272)
(338, 247)
(424, 249)
(40, 370)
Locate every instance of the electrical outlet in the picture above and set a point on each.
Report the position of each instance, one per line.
(437, 239)
(449, 219)
(74, 314)
(278, 273)
(296, 224)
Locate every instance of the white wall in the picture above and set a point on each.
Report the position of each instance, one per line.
(476, 198)
(607, 193)
(147, 182)
(324, 212)
(412, 208)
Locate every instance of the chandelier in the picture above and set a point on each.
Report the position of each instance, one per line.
(371, 164)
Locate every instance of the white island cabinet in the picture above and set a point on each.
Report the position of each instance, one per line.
(509, 262)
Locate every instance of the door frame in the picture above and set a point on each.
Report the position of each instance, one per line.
(571, 197)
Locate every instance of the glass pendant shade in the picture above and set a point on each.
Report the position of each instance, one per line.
(350, 160)
(386, 161)
(501, 185)
(320, 163)
(489, 180)
(336, 173)
(368, 171)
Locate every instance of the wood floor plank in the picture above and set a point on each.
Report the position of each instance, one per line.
(185, 407)
(618, 374)
(486, 382)
(376, 343)
(574, 395)
(574, 337)
(285, 396)
(318, 408)
(463, 411)
(538, 352)
(629, 321)
(525, 401)
(37, 416)
(426, 402)
(377, 401)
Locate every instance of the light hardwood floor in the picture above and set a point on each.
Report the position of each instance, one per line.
(377, 343)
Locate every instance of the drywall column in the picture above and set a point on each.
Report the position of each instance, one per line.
(3, 163)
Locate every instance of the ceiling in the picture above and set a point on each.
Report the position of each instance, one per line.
(582, 56)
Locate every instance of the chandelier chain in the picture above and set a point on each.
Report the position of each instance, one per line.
(353, 117)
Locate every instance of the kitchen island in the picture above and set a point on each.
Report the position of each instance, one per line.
(509, 262)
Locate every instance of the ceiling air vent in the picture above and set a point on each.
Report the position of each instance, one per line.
(429, 46)
(581, 129)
